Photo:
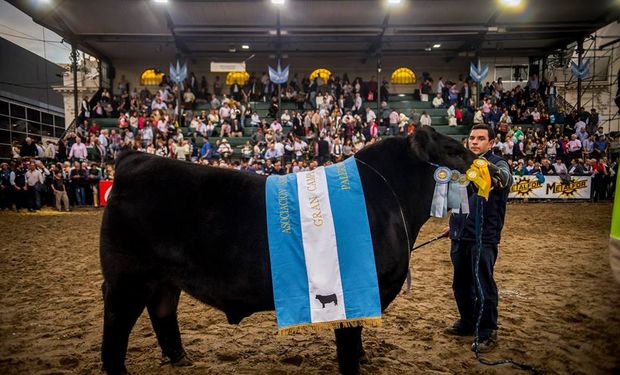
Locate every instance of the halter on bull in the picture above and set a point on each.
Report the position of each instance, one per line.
(152, 238)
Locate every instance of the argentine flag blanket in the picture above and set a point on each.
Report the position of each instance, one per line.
(322, 260)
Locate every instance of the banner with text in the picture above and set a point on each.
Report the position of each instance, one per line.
(552, 188)
(225, 67)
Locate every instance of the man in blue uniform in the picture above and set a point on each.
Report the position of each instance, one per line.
(463, 250)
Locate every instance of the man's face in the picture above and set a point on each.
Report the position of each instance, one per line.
(479, 142)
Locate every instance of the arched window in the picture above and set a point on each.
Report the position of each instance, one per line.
(151, 77)
(403, 76)
(322, 72)
(241, 78)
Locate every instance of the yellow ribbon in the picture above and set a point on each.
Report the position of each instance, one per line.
(479, 174)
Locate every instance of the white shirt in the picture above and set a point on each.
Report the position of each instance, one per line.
(358, 102)
(78, 151)
(370, 116)
(34, 177)
(255, 119)
(425, 120)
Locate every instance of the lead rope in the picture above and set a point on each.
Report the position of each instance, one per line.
(479, 202)
(402, 216)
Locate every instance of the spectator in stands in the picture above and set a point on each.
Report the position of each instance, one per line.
(206, 152)
(438, 101)
(286, 118)
(393, 120)
(600, 146)
(425, 119)
(17, 179)
(576, 167)
(478, 117)
(559, 168)
(574, 147)
(225, 150)
(79, 180)
(519, 148)
(78, 151)
(5, 187)
(94, 176)
(519, 170)
(403, 124)
(600, 173)
(28, 148)
(452, 114)
(370, 115)
(35, 181)
(357, 104)
(236, 130)
(465, 94)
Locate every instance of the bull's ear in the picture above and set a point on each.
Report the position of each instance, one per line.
(423, 144)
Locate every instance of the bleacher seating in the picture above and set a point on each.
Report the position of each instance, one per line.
(404, 104)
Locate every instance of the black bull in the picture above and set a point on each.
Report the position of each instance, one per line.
(172, 226)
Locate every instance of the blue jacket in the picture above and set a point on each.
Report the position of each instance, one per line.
(206, 151)
(462, 227)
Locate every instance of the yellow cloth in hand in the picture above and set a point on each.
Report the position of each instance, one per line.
(479, 174)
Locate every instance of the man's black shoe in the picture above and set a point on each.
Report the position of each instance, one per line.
(459, 329)
(486, 344)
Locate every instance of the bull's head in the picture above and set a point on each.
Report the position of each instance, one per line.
(431, 146)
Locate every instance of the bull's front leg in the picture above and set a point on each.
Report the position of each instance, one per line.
(349, 349)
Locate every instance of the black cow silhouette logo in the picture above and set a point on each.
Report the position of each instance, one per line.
(327, 299)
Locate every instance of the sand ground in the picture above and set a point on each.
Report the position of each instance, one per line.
(559, 306)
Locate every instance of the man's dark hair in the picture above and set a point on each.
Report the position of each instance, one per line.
(489, 130)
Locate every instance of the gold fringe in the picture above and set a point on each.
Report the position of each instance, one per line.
(322, 326)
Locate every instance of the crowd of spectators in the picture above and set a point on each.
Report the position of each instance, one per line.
(333, 119)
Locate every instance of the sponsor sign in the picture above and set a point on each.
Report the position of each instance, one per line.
(225, 67)
(552, 188)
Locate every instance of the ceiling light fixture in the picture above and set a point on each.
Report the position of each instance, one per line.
(437, 45)
(511, 3)
(245, 46)
(161, 1)
(394, 2)
(278, 2)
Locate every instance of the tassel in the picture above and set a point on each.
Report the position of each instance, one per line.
(322, 326)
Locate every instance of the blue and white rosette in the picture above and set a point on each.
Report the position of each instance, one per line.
(439, 206)
(464, 199)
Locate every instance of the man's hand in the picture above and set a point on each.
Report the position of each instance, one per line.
(493, 169)
(445, 232)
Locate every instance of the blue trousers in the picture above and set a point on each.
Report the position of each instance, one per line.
(463, 258)
(80, 196)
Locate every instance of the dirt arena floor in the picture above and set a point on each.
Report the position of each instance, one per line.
(559, 306)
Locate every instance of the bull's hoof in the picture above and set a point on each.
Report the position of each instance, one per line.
(364, 359)
(350, 370)
(183, 361)
(349, 367)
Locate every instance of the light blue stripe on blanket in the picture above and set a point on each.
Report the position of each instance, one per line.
(288, 267)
